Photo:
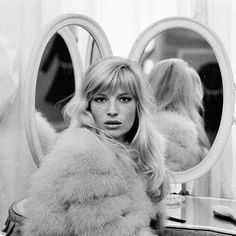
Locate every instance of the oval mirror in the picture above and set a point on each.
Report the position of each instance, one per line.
(65, 48)
(55, 80)
(186, 39)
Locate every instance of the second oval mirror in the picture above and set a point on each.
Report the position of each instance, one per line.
(189, 72)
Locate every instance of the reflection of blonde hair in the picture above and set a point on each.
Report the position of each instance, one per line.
(108, 74)
(199, 109)
(178, 87)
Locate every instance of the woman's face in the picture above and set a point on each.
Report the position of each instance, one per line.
(114, 112)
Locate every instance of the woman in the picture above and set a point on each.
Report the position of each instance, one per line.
(179, 93)
(105, 175)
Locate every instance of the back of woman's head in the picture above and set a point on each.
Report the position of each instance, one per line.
(173, 87)
(198, 89)
(197, 112)
(178, 87)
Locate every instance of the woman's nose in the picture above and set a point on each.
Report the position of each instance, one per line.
(112, 109)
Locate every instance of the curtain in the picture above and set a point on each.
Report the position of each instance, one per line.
(21, 21)
(8, 90)
(122, 20)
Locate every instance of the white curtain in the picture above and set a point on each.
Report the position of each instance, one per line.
(21, 22)
(121, 20)
(8, 90)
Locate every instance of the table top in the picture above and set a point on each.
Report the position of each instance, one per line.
(198, 213)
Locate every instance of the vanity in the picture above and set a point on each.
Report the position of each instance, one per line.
(200, 220)
(154, 43)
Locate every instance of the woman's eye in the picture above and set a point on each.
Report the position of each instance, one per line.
(99, 99)
(125, 99)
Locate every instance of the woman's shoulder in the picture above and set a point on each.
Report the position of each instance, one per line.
(176, 125)
(78, 139)
(77, 133)
(174, 120)
(81, 149)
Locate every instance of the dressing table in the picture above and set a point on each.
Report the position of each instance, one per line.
(200, 220)
(197, 211)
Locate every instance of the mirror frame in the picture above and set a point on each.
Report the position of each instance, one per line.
(34, 63)
(77, 64)
(89, 51)
(227, 80)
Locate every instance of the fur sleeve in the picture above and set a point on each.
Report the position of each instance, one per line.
(182, 146)
(80, 189)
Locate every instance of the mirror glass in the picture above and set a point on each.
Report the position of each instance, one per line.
(56, 80)
(190, 46)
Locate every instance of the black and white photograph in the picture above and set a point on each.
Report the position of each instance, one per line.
(117, 117)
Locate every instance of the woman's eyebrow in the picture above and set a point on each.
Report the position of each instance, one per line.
(123, 94)
(100, 94)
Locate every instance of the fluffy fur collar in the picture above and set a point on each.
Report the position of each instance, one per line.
(182, 147)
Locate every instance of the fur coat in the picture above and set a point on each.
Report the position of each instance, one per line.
(87, 188)
(182, 147)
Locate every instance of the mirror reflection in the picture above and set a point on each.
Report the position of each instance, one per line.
(183, 71)
(56, 82)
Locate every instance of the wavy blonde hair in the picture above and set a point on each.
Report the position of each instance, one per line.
(144, 138)
(178, 87)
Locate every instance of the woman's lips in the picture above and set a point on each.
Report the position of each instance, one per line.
(112, 124)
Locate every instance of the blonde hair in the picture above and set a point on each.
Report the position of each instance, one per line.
(178, 87)
(199, 109)
(108, 74)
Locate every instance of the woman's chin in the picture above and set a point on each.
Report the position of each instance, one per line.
(115, 134)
